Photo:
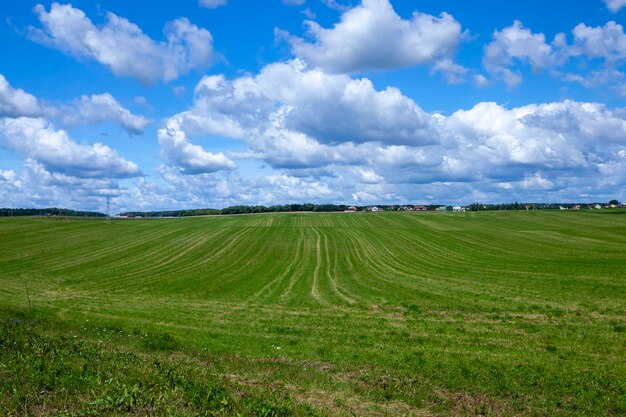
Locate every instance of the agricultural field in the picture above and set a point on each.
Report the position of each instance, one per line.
(481, 313)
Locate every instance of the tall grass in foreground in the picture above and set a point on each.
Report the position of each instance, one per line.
(47, 372)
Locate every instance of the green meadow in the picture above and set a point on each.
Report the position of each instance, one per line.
(480, 313)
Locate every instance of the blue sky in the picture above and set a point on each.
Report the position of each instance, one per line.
(209, 103)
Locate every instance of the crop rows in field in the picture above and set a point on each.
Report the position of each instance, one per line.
(338, 259)
(506, 312)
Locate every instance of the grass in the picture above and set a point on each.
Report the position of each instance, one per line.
(487, 313)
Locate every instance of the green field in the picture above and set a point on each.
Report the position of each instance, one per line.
(482, 313)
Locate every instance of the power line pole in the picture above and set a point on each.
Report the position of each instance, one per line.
(108, 207)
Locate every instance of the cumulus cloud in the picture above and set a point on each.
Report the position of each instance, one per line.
(497, 137)
(563, 140)
(607, 42)
(175, 190)
(296, 118)
(38, 140)
(518, 43)
(372, 36)
(68, 29)
(290, 188)
(102, 108)
(334, 130)
(615, 5)
(94, 109)
(15, 102)
(189, 158)
(36, 186)
(315, 135)
(330, 108)
(368, 176)
(57, 171)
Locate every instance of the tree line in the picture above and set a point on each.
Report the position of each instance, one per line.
(281, 208)
(327, 208)
(240, 209)
(285, 208)
(52, 211)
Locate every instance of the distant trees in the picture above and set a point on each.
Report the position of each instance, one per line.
(505, 206)
(284, 208)
(240, 209)
(52, 211)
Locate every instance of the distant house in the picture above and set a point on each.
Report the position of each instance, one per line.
(597, 206)
(376, 209)
(576, 207)
(442, 208)
(351, 209)
(562, 208)
(458, 209)
(420, 208)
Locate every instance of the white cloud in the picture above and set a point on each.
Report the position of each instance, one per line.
(176, 190)
(330, 108)
(101, 108)
(298, 119)
(322, 128)
(372, 36)
(38, 140)
(212, 4)
(536, 181)
(518, 43)
(615, 5)
(311, 132)
(97, 108)
(68, 29)
(608, 41)
(35, 186)
(15, 102)
(287, 188)
(559, 140)
(454, 73)
(368, 176)
(606, 76)
(7, 175)
(189, 158)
